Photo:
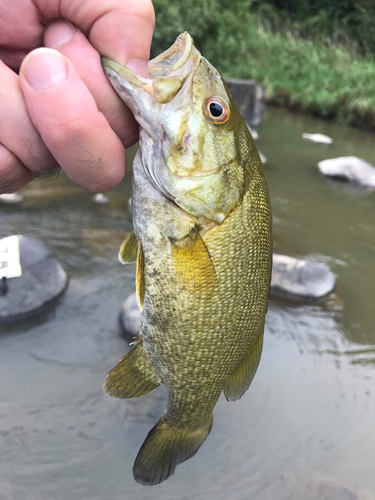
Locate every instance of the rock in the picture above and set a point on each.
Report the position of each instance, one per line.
(10, 198)
(297, 278)
(101, 199)
(249, 97)
(262, 157)
(253, 132)
(43, 280)
(349, 168)
(318, 138)
(130, 318)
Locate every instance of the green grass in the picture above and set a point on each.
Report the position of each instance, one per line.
(310, 76)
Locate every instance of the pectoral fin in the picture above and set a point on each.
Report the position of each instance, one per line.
(134, 376)
(128, 249)
(140, 277)
(192, 263)
(240, 380)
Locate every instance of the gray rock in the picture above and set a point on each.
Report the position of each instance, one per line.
(263, 158)
(10, 198)
(250, 99)
(297, 278)
(318, 138)
(130, 318)
(101, 199)
(253, 132)
(349, 168)
(43, 280)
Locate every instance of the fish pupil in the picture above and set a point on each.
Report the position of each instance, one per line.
(216, 109)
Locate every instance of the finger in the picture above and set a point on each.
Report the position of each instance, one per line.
(13, 175)
(70, 41)
(66, 116)
(119, 29)
(17, 132)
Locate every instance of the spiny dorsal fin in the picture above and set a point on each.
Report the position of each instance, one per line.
(140, 277)
(133, 376)
(240, 380)
(192, 263)
(128, 249)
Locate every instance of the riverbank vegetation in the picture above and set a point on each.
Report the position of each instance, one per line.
(308, 60)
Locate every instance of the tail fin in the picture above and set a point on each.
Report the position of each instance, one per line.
(165, 447)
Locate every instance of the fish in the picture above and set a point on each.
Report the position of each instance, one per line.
(202, 244)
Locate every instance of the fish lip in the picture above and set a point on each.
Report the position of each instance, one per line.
(123, 72)
(173, 59)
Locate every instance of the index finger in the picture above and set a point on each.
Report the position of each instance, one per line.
(119, 29)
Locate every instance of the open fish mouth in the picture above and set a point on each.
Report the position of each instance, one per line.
(178, 59)
(167, 73)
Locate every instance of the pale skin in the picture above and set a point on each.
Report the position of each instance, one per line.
(56, 105)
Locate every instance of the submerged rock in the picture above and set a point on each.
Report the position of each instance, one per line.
(349, 168)
(130, 318)
(262, 157)
(101, 199)
(43, 279)
(298, 278)
(250, 99)
(253, 132)
(317, 138)
(10, 198)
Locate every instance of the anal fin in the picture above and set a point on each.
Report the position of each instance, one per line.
(240, 380)
(133, 376)
(192, 263)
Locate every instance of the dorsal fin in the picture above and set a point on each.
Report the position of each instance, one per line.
(240, 380)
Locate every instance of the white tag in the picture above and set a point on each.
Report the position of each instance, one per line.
(10, 263)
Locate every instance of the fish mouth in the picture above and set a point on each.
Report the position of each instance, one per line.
(176, 60)
(167, 73)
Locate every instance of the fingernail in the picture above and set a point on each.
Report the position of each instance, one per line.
(44, 69)
(58, 33)
(139, 67)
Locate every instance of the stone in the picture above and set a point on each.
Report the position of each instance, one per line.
(253, 132)
(300, 279)
(42, 281)
(101, 199)
(318, 138)
(250, 99)
(349, 168)
(130, 318)
(262, 157)
(10, 198)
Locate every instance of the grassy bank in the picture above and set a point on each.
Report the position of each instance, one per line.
(310, 76)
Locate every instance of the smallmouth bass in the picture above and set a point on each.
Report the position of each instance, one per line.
(203, 248)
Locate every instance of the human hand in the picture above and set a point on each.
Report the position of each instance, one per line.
(61, 109)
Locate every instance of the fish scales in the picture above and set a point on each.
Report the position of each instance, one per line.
(202, 220)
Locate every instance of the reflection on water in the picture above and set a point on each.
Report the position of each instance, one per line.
(305, 429)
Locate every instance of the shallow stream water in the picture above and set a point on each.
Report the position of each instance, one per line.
(306, 427)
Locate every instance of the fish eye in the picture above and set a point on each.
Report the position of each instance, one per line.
(217, 110)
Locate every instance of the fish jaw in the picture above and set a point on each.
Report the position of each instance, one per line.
(168, 73)
(138, 95)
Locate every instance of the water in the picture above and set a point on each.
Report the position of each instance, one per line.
(304, 430)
